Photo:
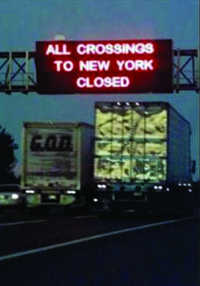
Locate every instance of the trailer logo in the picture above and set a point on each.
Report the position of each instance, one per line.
(51, 143)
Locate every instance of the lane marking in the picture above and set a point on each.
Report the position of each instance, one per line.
(86, 216)
(22, 222)
(76, 241)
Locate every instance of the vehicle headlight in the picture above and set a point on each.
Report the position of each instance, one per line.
(101, 186)
(71, 192)
(30, 192)
(15, 196)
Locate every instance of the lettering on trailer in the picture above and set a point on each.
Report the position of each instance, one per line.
(51, 143)
(104, 66)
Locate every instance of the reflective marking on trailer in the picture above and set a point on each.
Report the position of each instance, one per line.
(21, 222)
(76, 241)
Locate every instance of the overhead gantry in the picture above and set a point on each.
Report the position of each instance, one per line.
(18, 72)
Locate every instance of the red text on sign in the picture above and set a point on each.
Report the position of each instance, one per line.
(99, 82)
(57, 50)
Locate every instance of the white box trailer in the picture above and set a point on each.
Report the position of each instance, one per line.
(57, 162)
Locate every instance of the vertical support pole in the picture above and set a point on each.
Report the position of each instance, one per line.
(198, 94)
(26, 71)
(197, 131)
(8, 73)
(178, 71)
(197, 210)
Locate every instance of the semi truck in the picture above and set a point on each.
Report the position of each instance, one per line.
(141, 156)
(57, 163)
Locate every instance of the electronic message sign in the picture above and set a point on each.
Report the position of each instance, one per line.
(124, 66)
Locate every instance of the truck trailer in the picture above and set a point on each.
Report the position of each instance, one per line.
(57, 162)
(141, 156)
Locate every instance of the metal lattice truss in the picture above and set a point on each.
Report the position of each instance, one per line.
(186, 72)
(18, 73)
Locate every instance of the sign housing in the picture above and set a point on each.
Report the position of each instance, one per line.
(123, 66)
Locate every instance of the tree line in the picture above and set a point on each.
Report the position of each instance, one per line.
(7, 157)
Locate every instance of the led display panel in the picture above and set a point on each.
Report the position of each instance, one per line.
(123, 66)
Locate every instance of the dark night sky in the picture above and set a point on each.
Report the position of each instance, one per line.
(24, 22)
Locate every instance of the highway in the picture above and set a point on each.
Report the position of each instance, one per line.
(85, 249)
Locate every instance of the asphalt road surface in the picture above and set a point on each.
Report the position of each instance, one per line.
(87, 250)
